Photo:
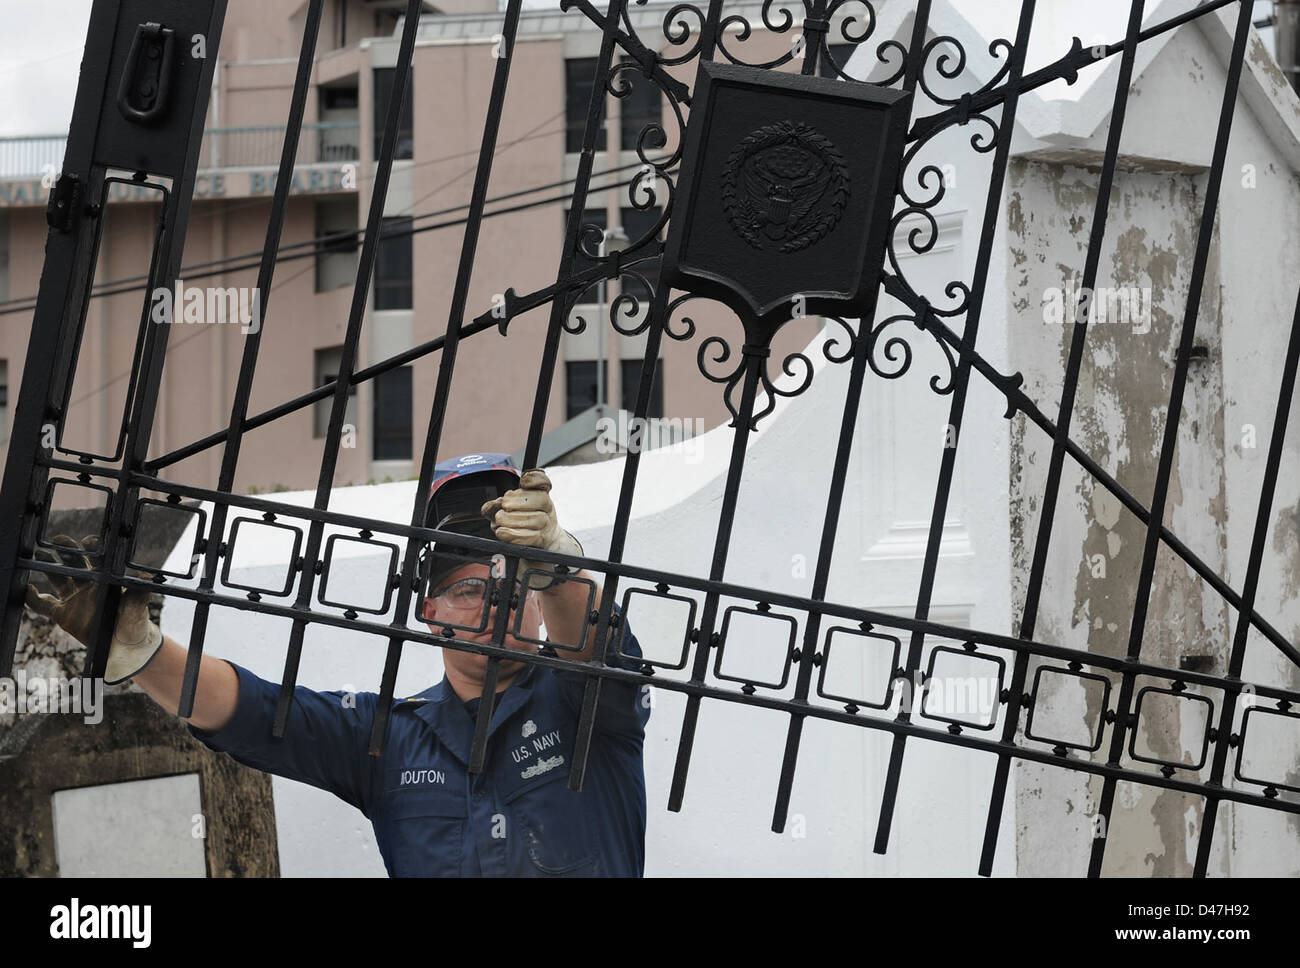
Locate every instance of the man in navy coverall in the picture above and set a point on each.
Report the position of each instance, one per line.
(430, 815)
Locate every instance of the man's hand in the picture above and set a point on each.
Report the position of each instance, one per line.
(136, 640)
(526, 516)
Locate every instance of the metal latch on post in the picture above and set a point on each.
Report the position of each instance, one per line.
(146, 80)
(64, 201)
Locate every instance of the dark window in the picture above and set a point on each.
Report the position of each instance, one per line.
(630, 383)
(393, 414)
(840, 54)
(393, 265)
(339, 99)
(339, 137)
(636, 224)
(4, 400)
(580, 387)
(641, 106)
(326, 370)
(336, 248)
(579, 79)
(384, 80)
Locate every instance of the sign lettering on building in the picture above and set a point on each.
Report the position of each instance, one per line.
(229, 183)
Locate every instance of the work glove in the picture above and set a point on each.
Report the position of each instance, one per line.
(136, 640)
(526, 516)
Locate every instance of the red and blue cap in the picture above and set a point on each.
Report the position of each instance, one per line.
(501, 467)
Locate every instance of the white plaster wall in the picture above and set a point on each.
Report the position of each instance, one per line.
(1245, 316)
(1260, 227)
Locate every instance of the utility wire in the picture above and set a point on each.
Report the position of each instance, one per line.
(316, 244)
(450, 223)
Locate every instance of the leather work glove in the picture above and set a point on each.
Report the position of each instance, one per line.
(136, 640)
(526, 516)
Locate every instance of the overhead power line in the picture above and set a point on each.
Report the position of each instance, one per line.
(309, 248)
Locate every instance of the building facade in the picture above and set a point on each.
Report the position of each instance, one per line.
(306, 309)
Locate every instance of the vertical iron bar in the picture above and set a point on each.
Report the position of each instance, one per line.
(839, 473)
(1232, 687)
(617, 541)
(1050, 491)
(252, 345)
(447, 363)
(1168, 445)
(546, 371)
(709, 32)
(1006, 128)
(60, 303)
(754, 361)
(347, 362)
(164, 271)
(627, 489)
(819, 28)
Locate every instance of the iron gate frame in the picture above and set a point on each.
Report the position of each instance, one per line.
(694, 32)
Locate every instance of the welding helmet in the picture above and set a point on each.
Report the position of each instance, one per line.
(460, 488)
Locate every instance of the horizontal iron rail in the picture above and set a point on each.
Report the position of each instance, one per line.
(655, 576)
(702, 691)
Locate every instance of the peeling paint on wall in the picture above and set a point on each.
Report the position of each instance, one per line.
(1119, 419)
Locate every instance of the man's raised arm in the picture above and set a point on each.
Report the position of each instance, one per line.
(139, 650)
(214, 699)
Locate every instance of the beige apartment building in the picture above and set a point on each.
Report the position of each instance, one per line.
(306, 310)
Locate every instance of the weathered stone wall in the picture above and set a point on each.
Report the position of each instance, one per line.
(1096, 553)
(135, 740)
(42, 752)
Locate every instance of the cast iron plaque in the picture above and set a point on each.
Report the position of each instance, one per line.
(787, 187)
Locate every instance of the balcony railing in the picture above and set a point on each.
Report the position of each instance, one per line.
(246, 147)
(31, 157)
(260, 146)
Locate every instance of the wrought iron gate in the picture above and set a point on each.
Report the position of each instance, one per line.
(838, 156)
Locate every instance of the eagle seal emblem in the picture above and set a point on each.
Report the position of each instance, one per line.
(784, 187)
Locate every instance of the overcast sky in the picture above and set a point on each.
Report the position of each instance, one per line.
(40, 56)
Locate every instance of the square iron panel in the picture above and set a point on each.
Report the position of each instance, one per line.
(93, 524)
(526, 575)
(967, 651)
(1095, 730)
(390, 570)
(786, 192)
(1178, 692)
(291, 565)
(149, 511)
(1275, 783)
(763, 612)
(864, 632)
(660, 593)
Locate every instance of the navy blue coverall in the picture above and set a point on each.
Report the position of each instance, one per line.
(430, 815)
